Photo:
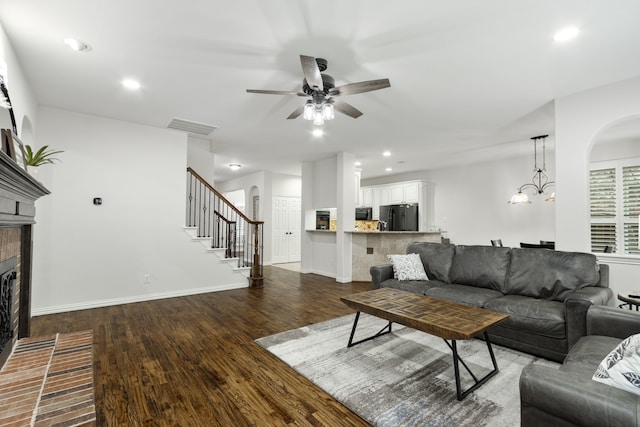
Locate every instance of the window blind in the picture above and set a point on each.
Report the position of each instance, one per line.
(631, 191)
(603, 235)
(602, 191)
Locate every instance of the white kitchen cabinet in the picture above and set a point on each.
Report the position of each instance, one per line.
(376, 194)
(396, 193)
(358, 189)
(404, 192)
(411, 192)
(367, 197)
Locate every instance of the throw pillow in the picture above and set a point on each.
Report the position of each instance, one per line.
(621, 367)
(408, 267)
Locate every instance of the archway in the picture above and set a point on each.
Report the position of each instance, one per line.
(614, 182)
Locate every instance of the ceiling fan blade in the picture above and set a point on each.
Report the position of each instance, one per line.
(296, 113)
(311, 72)
(360, 87)
(345, 108)
(277, 92)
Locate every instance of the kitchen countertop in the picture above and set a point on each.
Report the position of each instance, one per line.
(393, 232)
(379, 232)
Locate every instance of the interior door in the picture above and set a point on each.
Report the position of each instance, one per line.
(286, 230)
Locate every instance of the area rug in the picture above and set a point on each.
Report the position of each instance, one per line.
(405, 378)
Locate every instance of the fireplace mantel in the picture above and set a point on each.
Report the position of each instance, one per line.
(18, 193)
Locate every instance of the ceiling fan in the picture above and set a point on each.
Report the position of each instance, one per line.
(322, 91)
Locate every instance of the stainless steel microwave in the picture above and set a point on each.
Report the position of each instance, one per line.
(363, 214)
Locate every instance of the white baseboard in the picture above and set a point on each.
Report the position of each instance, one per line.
(128, 300)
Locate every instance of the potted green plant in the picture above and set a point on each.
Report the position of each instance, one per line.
(34, 159)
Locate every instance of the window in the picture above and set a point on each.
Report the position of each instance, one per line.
(615, 206)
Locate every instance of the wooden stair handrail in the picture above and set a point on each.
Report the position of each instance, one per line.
(236, 210)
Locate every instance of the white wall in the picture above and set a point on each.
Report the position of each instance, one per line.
(325, 183)
(579, 120)
(87, 255)
(201, 158)
(287, 185)
(616, 150)
(22, 99)
(471, 201)
(328, 184)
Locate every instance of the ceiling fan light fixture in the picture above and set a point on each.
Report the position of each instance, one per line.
(318, 120)
(328, 112)
(309, 110)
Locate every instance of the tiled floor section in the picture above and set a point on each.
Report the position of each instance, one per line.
(48, 381)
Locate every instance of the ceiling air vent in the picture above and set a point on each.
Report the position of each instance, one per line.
(194, 128)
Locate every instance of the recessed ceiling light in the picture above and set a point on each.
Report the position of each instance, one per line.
(566, 34)
(388, 169)
(234, 166)
(131, 84)
(77, 45)
(386, 153)
(358, 163)
(317, 132)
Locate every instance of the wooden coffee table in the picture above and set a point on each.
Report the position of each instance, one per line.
(448, 320)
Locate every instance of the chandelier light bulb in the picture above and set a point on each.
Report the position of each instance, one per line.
(519, 198)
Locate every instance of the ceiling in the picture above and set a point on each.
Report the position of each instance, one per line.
(470, 80)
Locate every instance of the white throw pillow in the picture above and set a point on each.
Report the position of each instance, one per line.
(408, 267)
(621, 367)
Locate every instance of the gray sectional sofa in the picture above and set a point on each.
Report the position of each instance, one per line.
(546, 293)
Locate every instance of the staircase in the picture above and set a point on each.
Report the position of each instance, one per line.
(223, 229)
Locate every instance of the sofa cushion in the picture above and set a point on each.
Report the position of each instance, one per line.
(547, 274)
(436, 257)
(531, 314)
(480, 266)
(463, 294)
(588, 352)
(407, 267)
(416, 286)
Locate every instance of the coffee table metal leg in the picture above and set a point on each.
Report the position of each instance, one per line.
(478, 382)
(383, 331)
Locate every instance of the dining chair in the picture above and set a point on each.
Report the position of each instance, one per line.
(497, 242)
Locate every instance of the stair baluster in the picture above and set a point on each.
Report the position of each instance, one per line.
(229, 228)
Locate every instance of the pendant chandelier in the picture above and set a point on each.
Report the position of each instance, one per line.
(540, 182)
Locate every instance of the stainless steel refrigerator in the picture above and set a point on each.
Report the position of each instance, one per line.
(399, 217)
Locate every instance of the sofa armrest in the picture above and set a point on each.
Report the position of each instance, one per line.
(612, 322)
(380, 273)
(565, 396)
(576, 306)
(603, 282)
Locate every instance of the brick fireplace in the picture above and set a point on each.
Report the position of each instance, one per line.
(18, 192)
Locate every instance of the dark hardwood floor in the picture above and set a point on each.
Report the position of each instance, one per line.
(192, 361)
